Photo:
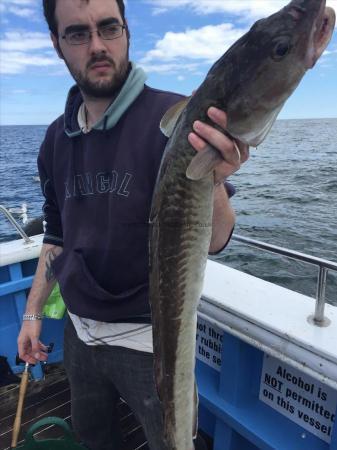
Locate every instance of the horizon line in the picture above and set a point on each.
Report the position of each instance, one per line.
(47, 124)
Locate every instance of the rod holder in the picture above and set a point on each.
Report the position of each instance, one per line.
(318, 317)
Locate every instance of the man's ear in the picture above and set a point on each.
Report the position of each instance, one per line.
(56, 45)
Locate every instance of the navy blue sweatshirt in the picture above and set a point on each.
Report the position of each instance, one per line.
(98, 189)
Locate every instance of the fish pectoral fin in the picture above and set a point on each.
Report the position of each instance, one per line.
(170, 118)
(203, 163)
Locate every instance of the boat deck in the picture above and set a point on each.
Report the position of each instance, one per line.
(51, 397)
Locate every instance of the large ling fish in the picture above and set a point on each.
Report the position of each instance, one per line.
(250, 82)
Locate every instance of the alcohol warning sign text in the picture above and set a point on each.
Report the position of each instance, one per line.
(304, 400)
(209, 344)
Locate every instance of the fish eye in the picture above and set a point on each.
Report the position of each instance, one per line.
(280, 50)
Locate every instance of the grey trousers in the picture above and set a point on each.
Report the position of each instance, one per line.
(98, 377)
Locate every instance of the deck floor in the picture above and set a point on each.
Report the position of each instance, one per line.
(51, 397)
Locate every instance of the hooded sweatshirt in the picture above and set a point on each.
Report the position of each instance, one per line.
(98, 188)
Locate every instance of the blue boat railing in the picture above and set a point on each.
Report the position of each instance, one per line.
(323, 265)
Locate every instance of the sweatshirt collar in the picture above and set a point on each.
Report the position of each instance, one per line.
(131, 89)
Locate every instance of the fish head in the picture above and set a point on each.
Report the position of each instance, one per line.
(312, 28)
(268, 63)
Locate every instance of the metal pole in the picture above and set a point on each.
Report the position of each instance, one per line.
(318, 317)
(15, 224)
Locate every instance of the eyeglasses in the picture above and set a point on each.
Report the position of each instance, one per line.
(106, 32)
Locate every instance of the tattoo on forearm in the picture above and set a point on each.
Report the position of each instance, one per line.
(50, 256)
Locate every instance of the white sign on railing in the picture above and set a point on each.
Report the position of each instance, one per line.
(209, 344)
(304, 400)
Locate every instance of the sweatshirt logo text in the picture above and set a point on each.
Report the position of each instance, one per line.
(100, 183)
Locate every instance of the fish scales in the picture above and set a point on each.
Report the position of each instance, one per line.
(181, 230)
(251, 82)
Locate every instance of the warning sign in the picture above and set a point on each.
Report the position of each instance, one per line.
(304, 400)
(209, 344)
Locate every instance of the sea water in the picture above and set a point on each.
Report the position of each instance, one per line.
(286, 195)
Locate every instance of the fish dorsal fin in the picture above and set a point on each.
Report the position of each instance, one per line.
(203, 163)
(170, 118)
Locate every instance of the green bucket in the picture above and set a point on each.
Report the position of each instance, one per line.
(67, 442)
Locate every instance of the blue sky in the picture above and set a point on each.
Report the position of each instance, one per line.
(176, 41)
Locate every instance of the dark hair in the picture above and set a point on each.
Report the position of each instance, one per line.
(49, 13)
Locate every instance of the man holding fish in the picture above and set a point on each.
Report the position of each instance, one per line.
(98, 166)
(110, 188)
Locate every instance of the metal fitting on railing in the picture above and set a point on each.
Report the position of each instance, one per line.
(15, 224)
(318, 317)
(324, 265)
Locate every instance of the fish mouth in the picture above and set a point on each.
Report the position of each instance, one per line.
(320, 35)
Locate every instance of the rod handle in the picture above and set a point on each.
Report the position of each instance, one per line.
(17, 421)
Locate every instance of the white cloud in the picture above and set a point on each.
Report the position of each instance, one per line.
(172, 68)
(157, 11)
(19, 2)
(187, 50)
(21, 50)
(247, 9)
(17, 62)
(22, 12)
(25, 40)
(330, 52)
(19, 91)
(9, 3)
(20, 8)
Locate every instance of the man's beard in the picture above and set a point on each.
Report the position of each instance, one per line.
(102, 88)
